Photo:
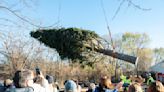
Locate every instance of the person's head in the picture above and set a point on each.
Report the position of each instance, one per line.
(135, 87)
(159, 86)
(70, 86)
(23, 78)
(139, 79)
(105, 82)
(156, 87)
(92, 86)
(128, 77)
(8, 83)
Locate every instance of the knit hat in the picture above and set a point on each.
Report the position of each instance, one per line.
(70, 86)
(149, 74)
(50, 79)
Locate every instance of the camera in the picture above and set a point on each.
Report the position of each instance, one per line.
(37, 71)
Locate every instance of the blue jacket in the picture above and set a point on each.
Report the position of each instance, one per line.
(2, 88)
(28, 89)
(98, 89)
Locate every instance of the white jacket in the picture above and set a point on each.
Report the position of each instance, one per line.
(44, 87)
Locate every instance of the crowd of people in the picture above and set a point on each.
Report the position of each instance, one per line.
(29, 81)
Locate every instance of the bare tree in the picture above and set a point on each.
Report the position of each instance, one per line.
(19, 52)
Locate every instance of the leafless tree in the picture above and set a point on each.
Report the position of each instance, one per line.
(20, 52)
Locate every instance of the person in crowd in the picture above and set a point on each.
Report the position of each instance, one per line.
(56, 84)
(126, 82)
(135, 87)
(2, 87)
(8, 83)
(140, 79)
(150, 79)
(23, 81)
(156, 86)
(91, 87)
(137, 79)
(106, 85)
(50, 80)
(78, 86)
(71, 86)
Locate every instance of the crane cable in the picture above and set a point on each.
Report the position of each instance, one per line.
(107, 24)
(110, 34)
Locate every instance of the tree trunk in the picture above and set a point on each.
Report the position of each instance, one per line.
(121, 56)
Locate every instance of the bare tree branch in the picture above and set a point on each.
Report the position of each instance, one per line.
(130, 2)
(118, 9)
(137, 6)
(25, 20)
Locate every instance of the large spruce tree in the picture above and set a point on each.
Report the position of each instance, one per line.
(76, 44)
